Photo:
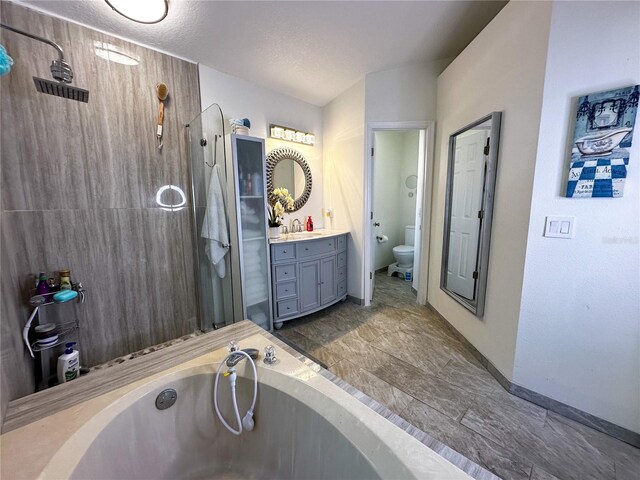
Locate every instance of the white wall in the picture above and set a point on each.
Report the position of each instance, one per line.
(579, 334)
(501, 70)
(239, 99)
(344, 140)
(406, 93)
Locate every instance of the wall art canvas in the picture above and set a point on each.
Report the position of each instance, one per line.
(603, 134)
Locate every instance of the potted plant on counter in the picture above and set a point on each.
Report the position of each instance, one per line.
(280, 202)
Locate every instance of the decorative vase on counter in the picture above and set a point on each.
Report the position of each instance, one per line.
(274, 232)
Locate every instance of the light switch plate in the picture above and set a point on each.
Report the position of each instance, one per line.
(559, 227)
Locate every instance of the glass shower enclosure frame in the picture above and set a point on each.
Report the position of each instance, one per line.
(228, 185)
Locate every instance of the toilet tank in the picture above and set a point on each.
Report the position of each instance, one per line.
(409, 234)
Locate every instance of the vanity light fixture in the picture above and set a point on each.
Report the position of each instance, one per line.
(141, 11)
(292, 135)
(114, 54)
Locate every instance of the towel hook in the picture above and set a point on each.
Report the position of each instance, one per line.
(203, 143)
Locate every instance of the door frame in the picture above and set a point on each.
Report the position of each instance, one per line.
(427, 188)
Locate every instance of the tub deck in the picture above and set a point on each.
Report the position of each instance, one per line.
(36, 407)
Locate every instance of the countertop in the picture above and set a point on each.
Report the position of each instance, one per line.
(304, 236)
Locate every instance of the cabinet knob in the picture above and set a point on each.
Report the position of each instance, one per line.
(306, 248)
(330, 244)
(284, 251)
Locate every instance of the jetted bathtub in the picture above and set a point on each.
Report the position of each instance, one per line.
(306, 428)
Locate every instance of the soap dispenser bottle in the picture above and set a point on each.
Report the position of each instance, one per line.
(309, 224)
(68, 364)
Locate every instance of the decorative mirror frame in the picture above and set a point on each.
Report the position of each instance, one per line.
(476, 306)
(276, 156)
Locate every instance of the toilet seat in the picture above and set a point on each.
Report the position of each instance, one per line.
(403, 249)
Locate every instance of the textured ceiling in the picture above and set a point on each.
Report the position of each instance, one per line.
(309, 50)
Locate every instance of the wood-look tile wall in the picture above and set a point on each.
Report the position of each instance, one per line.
(78, 190)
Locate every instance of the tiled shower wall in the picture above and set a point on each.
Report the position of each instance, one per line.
(78, 190)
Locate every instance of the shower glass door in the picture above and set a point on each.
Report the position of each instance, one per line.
(209, 175)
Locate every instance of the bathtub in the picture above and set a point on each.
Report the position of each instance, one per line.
(306, 428)
(601, 143)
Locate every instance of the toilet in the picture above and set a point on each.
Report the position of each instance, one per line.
(403, 255)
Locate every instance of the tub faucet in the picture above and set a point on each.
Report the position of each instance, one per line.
(293, 226)
(233, 360)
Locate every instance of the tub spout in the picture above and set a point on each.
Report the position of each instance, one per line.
(234, 359)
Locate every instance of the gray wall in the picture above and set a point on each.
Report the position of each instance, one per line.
(78, 188)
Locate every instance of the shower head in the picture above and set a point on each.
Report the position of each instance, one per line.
(61, 71)
(60, 89)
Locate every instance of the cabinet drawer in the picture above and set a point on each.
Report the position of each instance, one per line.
(342, 259)
(342, 274)
(342, 287)
(284, 273)
(287, 307)
(312, 248)
(342, 242)
(286, 290)
(283, 252)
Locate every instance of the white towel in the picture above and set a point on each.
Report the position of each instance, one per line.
(214, 227)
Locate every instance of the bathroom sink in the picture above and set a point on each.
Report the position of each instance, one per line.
(301, 235)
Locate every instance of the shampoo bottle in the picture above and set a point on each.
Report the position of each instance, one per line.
(68, 364)
(43, 286)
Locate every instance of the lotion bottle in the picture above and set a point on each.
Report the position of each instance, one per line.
(68, 364)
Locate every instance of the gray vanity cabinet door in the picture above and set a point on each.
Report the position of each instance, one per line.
(328, 288)
(309, 285)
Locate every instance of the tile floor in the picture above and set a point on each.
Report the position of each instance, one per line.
(403, 356)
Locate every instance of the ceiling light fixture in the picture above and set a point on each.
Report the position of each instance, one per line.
(292, 135)
(141, 11)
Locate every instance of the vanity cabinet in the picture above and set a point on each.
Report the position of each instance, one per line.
(307, 275)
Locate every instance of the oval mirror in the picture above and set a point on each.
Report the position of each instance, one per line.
(287, 168)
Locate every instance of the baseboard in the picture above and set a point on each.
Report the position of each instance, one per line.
(543, 401)
(383, 269)
(356, 300)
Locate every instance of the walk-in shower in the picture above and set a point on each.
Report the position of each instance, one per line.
(209, 176)
(61, 71)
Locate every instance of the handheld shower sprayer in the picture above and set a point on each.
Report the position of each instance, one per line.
(235, 355)
(61, 71)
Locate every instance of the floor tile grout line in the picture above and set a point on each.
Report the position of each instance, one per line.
(531, 472)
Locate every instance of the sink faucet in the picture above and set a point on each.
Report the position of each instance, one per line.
(293, 226)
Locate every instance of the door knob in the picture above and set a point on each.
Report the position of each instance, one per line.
(376, 224)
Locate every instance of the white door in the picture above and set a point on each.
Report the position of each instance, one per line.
(468, 184)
